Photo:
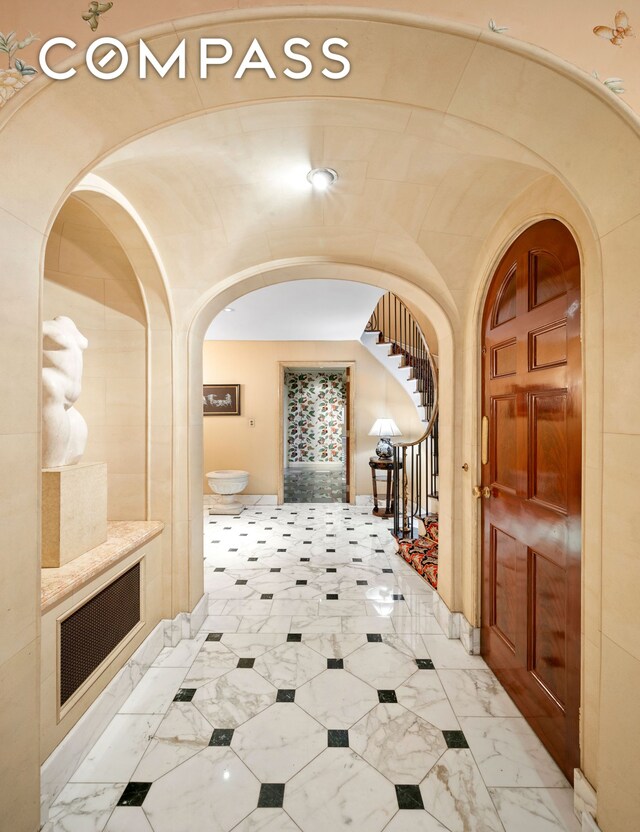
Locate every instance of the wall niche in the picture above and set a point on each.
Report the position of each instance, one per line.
(89, 278)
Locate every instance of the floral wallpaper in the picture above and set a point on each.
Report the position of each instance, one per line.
(315, 407)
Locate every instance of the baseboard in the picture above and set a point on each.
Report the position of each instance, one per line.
(245, 499)
(588, 823)
(364, 499)
(455, 625)
(185, 624)
(585, 799)
(66, 757)
(316, 466)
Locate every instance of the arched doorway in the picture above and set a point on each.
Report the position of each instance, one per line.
(531, 482)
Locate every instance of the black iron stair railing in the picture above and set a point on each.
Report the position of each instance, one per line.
(415, 464)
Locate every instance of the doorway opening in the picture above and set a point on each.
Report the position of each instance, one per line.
(316, 433)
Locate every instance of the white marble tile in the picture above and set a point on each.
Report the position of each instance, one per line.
(214, 660)
(253, 606)
(336, 698)
(536, 810)
(128, 819)
(155, 691)
(342, 608)
(267, 820)
(278, 742)
(265, 624)
(212, 791)
(182, 655)
(335, 645)
(367, 624)
(305, 607)
(422, 624)
(181, 734)
(252, 645)
(84, 807)
(449, 653)
(412, 820)
(290, 665)
(387, 607)
(230, 593)
(116, 754)
(399, 744)
(411, 644)
(235, 697)
(454, 792)
(424, 694)
(221, 623)
(508, 753)
(360, 797)
(380, 665)
(476, 693)
(315, 624)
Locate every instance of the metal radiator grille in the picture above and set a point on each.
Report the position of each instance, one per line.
(90, 633)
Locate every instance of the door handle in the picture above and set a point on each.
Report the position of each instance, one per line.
(485, 440)
(481, 491)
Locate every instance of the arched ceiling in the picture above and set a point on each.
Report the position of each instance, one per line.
(418, 191)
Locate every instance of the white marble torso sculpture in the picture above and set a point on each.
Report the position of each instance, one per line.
(64, 431)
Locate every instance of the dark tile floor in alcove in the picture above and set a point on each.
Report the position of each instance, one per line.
(315, 486)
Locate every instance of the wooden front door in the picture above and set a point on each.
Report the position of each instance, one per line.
(531, 474)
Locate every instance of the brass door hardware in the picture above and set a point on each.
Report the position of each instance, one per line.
(481, 491)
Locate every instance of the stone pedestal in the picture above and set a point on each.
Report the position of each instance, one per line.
(74, 511)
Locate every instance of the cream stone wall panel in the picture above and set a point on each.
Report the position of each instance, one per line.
(619, 759)
(19, 728)
(472, 197)
(590, 707)
(81, 298)
(394, 208)
(124, 304)
(20, 334)
(19, 543)
(582, 132)
(92, 252)
(328, 113)
(620, 257)
(453, 255)
(621, 575)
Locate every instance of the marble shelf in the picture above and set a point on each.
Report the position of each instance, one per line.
(123, 537)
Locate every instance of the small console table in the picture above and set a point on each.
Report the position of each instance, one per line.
(377, 464)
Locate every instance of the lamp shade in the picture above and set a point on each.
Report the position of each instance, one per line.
(385, 427)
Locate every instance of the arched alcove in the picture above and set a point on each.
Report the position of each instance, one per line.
(88, 277)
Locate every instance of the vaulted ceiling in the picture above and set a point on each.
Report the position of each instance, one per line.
(418, 191)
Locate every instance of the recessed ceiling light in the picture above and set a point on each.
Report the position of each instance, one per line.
(322, 178)
(229, 309)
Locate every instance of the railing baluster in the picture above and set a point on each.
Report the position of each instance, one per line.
(415, 464)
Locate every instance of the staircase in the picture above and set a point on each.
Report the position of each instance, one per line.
(395, 339)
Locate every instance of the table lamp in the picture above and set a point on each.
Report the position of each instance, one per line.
(385, 429)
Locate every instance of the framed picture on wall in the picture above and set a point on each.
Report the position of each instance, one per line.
(221, 399)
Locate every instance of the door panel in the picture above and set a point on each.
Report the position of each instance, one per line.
(531, 521)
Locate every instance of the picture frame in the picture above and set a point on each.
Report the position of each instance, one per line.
(220, 399)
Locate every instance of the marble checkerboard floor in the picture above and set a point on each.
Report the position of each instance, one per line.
(320, 695)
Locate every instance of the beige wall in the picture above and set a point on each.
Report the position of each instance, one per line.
(229, 442)
(89, 278)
